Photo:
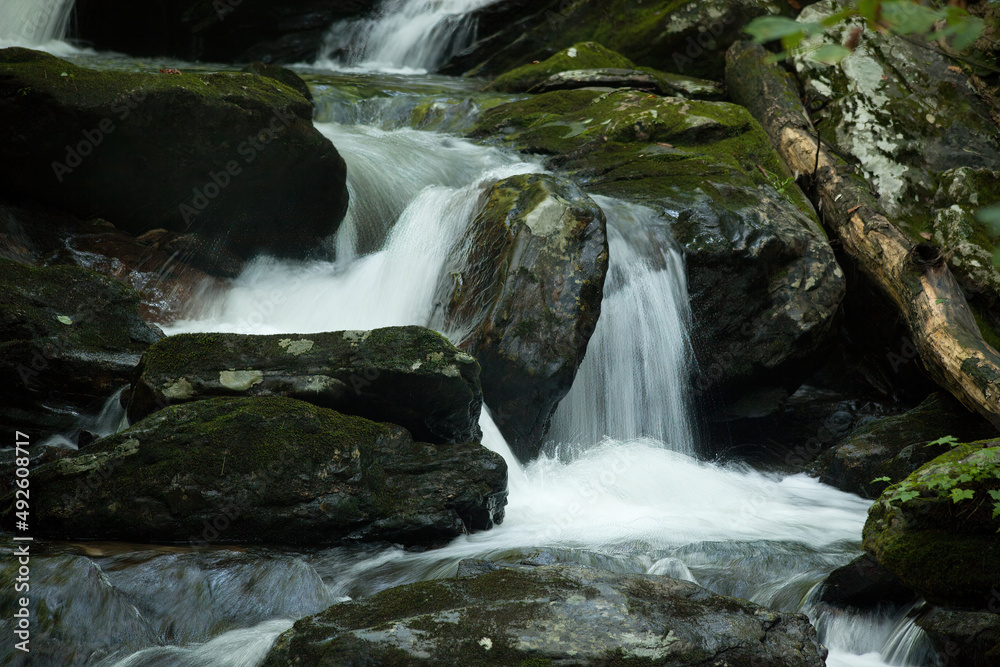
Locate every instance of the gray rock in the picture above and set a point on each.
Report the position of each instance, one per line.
(970, 638)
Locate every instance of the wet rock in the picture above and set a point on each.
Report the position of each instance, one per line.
(233, 157)
(937, 531)
(280, 74)
(763, 282)
(410, 376)
(267, 470)
(522, 291)
(968, 637)
(895, 446)
(69, 338)
(554, 614)
(864, 584)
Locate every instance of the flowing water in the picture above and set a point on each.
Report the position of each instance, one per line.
(40, 24)
(618, 488)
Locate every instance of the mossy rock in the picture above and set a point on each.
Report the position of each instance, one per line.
(896, 446)
(523, 291)
(69, 338)
(547, 615)
(273, 470)
(233, 157)
(585, 55)
(410, 376)
(948, 551)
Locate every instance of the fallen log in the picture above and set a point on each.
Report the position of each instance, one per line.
(915, 276)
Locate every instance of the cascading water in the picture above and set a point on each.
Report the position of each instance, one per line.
(34, 23)
(403, 35)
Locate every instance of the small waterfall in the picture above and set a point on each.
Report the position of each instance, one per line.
(634, 380)
(404, 35)
(33, 22)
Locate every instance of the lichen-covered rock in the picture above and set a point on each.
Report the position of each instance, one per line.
(895, 446)
(936, 530)
(763, 281)
(522, 291)
(233, 157)
(554, 614)
(267, 470)
(972, 638)
(897, 107)
(410, 376)
(69, 338)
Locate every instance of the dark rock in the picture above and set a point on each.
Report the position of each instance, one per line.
(762, 279)
(267, 470)
(69, 338)
(280, 74)
(970, 638)
(895, 446)
(864, 584)
(937, 531)
(233, 157)
(524, 290)
(410, 376)
(549, 615)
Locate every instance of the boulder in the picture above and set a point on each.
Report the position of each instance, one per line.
(972, 638)
(410, 376)
(69, 338)
(864, 584)
(763, 282)
(895, 446)
(937, 529)
(522, 291)
(268, 469)
(552, 614)
(280, 74)
(232, 157)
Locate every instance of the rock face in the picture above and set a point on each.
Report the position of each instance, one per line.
(523, 291)
(972, 637)
(69, 338)
(763, 282)
(936, 530)
(233, 157)
(268, 470)
(548, 615)
(410, 376)
(894, 447)
(864, 584)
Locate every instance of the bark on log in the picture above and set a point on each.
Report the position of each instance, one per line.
(914, 276)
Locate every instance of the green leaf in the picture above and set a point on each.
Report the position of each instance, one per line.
(64, 319)
(990, 216)
(886, 479)
(958, 495)
(964, 477)
(946, 440)
(830, 54)
(995, 495)
(906, 496)
(770, 28)
(907, 17)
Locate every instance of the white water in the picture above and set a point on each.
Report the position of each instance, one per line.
(409, 36)
(40, 24)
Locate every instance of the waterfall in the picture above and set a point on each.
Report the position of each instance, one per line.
(33, 22)
(403, 35)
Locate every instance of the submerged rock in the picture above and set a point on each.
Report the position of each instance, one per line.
(69, 338)
(522, 290)
(554, 614)
(232, 157)
(763, 281)
(936, 530)
(267, 470)
(410, 376)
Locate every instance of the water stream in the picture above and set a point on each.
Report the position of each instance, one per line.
(619, 487)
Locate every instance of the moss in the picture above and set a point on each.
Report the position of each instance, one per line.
(425, 597)
(588, 55)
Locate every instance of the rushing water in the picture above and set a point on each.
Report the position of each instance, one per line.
(40, 24)
(618, 488)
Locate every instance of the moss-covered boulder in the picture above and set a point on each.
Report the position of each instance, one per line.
(671, 35)
(548, 615)
(267, 470)
(69, 338)
(233, 157)
(410, 376)
(763, 281)
(590, 64)
(937, 530)
(522, 290)
(895, 446)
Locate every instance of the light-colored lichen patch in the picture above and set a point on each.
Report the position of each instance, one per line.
(356, 336)
(296, 347)
(178, 390)
(240, 380)
(451, 371)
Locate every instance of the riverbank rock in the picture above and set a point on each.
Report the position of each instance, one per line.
(268, 470)
(69, 338)
(895, 446)
(969, 637)
(864, 584)
(410, 376)
(522, 290)
(936, 530)
(687, 38)
(555, 614)
(763, 283)
(234, 158)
